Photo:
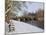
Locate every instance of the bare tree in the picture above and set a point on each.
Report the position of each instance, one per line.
(40, 15)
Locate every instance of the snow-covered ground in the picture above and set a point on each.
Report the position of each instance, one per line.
(21, 27)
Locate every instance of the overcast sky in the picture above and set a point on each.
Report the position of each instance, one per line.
(29, 7)
(34, 6)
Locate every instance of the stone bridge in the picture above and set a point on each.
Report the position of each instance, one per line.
(24, 18)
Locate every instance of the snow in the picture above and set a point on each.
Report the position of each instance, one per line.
(21, 27)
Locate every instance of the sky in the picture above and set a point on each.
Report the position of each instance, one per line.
(33, 7)
(28, 7)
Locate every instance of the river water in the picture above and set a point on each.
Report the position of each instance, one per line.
(22, 27)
